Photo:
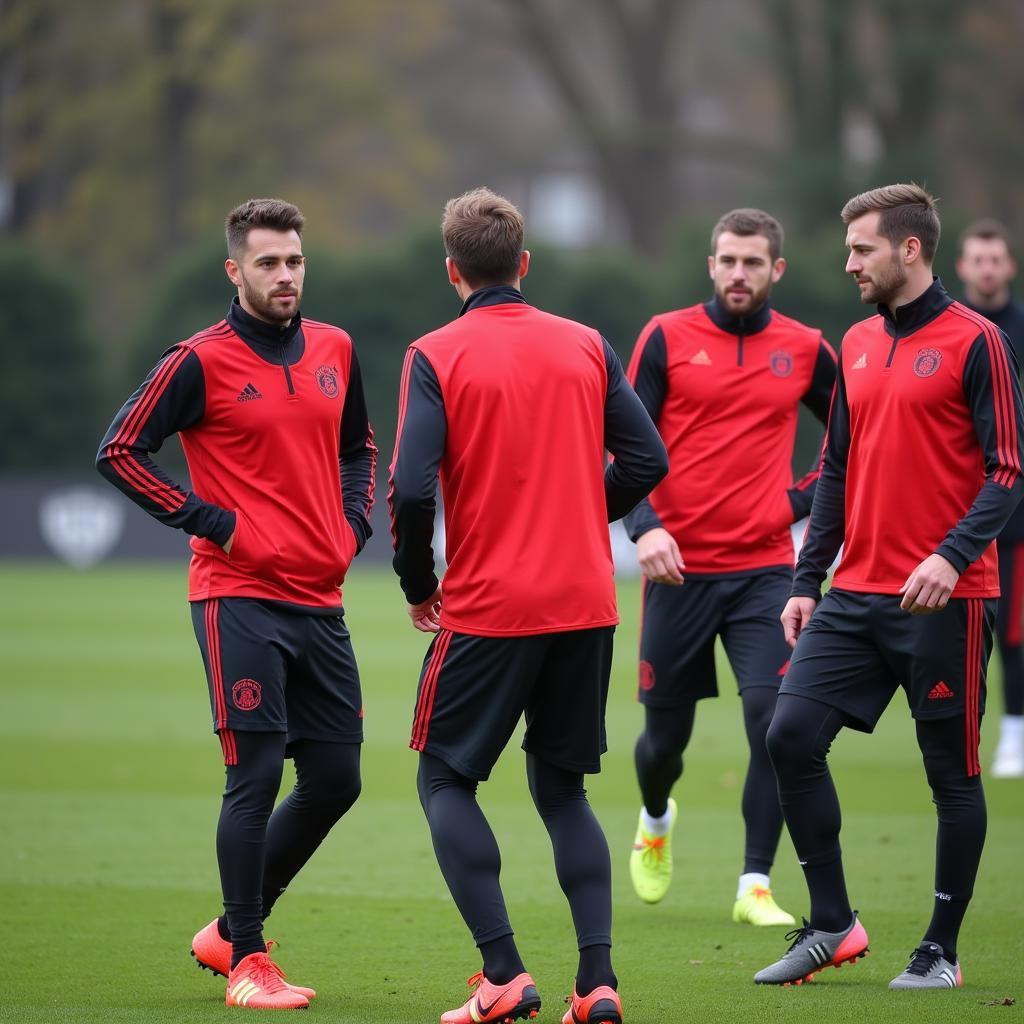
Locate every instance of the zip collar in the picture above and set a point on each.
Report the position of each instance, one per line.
(492, 295)
(264, 338)
(916, 314)
(749, 323)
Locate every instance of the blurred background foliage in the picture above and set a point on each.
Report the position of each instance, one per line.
(622, 128)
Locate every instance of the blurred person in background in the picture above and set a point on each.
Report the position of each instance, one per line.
(987, 268)
(514, 408)
(270, 410)
(723, 381)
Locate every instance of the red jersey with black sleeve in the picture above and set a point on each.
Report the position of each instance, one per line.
(514, 409)
(923, 451)
(724, 392)
(280, 452)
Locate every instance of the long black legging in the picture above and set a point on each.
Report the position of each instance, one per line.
(799, 739)
(470, 861)
(659, 764)
(260, 852)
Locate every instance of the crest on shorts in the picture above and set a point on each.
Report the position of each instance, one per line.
(327, 378)
(247, 694)
(927, 362)
(646, 676)
(781, 363)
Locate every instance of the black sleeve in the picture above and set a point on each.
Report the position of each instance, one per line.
(818, 396)
(827, 526)
(639, 460)
(171, 399)
(992, 389)
(422, 433)
(648, 373)
(357, 458)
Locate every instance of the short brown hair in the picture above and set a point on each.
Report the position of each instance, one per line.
(275, 214)
(906, 210)
(483, 236)
(748, 221)
(986, 228)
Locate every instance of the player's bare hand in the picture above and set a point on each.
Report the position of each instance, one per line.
(426, 616)
(928, 587)
(659, 557)
(795, 616)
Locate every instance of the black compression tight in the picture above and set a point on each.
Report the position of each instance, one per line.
(798, 741)
(260, 852)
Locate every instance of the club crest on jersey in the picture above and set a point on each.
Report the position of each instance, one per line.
(781, 363)
(927, 362)
(646, 676)
(247, 694)
(327, 378)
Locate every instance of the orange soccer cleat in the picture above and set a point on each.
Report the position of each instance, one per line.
(518, 1000)
(602, 1006)
(212, 953)
(257, 983)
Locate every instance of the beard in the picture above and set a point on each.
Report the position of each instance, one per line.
(263, 305)
(751, 300)
(883, 290)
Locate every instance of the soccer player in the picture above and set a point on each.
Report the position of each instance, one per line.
(723, 381)
(270, 411)
(515, 408)
(987, 268)
(921, 470)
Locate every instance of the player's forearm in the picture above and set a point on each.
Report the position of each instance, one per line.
(358, 478)
(991, 511)
(825, 532)
(642, 520)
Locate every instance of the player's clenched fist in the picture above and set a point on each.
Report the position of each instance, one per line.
(426, 616)
(795, 616)
(659, 557)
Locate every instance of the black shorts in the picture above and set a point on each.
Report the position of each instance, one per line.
(473, 690)
(275, 670)
(679, 626)
(858, 649)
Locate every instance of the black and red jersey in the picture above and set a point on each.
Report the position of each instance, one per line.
(280, 452)
(923, 451)
(514, 409)
(724, 392)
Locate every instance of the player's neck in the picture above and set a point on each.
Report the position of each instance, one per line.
(994, 300)
(916, 285)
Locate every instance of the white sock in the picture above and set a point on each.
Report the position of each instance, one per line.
(1011, 730)
(749, 879)
(656, 826)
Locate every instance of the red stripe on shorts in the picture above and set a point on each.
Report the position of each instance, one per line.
(972, 678)
(425, 705)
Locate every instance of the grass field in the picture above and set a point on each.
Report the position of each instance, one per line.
(110, 793)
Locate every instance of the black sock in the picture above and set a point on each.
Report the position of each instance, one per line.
(762, 815)
(659, 753)
(595, 969)
(501, 959)
(798, 741)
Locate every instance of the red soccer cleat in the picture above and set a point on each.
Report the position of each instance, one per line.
(518, 1000)
(258, 984)
(212, 953)
(602, 1006)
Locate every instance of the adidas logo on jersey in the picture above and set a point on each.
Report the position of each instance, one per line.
(248, 393)
(701, 359)
(861, 363)
(940, 691)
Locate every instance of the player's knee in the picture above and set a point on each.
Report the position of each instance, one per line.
(552, 787)
(787, 745)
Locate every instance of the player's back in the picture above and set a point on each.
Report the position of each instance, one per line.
(522, 473)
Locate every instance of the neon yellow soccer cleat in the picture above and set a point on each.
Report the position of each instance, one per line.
(758, 906)
(650, 862)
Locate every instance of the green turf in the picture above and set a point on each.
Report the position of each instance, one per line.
(110, 791)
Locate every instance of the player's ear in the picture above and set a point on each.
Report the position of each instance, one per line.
(910, 249)
(711, 267)
(231, 269)
(778, 269)
(454, 277)
(524, 264)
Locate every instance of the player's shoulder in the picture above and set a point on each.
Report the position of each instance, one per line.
(796, 330)
(325, 330)
(969, 323)
(218, 333)
(674, 318)
(870, 326)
